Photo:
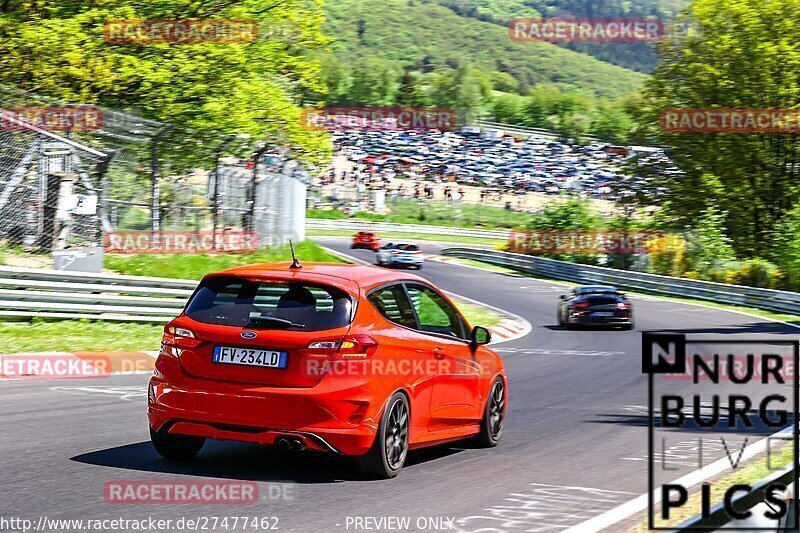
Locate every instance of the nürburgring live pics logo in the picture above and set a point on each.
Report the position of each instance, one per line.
(691, 384)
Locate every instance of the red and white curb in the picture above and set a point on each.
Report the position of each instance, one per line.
(509, 329)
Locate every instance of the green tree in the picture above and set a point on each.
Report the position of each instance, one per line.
(708, 247)
(611, 123)
(507, 108)
(407, 92)
(786, 247)
(731, 54)
(58, 48)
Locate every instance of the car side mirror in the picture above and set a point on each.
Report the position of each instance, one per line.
(562, 297)
(481, 336)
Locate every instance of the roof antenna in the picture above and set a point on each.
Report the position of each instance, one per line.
(295, 262)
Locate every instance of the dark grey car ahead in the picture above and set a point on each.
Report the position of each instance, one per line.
(595, 305)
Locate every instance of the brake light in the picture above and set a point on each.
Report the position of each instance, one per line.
(177, 337)
(395, 251)
(621, 305)
(581, 305)
(350, 347)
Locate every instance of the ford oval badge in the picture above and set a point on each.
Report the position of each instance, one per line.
(249, 334)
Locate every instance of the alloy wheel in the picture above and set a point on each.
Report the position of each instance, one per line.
(497, 409)
(396, 438)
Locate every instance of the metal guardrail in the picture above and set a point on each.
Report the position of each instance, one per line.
(767, 299)
(387, 227)
(527, 132)
(32, 292)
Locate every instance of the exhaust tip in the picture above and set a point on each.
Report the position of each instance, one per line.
(298, 445)
(284, 444)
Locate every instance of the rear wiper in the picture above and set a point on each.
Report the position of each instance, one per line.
(267, 321)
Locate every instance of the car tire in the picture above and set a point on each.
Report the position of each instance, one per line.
(627, 327)
(418, 267)
(181, 447)
(382, 460)
(494, 415)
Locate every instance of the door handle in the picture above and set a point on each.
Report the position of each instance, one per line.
(439, 353)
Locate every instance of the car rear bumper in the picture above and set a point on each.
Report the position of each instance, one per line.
(336, 416)
(402, 261)
(600, 321)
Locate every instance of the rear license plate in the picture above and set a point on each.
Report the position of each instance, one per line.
(250, 357)
(603, 313)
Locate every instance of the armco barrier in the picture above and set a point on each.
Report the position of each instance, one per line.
(767, 299)
(524, 131)
(387, 227)
(32, 292)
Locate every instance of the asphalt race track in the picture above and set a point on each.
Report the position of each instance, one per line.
(574, 445)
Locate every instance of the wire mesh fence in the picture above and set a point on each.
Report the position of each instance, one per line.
(73, 175)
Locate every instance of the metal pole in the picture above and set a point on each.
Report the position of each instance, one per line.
(216, 204)
(155, 206)
(249, 222)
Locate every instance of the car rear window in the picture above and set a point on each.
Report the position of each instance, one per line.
(249, 303)
(596, 290)
(407, 247)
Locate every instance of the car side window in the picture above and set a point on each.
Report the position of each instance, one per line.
(434, 313)
(393, 304)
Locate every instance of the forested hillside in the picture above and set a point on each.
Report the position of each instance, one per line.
(634, 56)
(376, 44)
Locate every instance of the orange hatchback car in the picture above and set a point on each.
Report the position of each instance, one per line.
(342, 359)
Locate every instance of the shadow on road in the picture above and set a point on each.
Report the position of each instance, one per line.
(775, 328)
(247, 462)
(641, 420)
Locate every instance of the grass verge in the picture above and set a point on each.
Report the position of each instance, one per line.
(386, 236)
(78, 335)
(195, 266)
(478, 316)
(97, 336)
(436, 213)
(85, 335)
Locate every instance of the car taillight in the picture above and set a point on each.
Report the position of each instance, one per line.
(581, 305)
(621, 305)
(395, 251)
(178, 337)
(350, 347)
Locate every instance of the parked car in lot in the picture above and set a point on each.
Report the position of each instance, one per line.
(595, 305)
(339, 359)
(366, 239)
(401, 254)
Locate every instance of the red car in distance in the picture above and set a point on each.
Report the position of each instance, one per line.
(366, 239)
(342, 359)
